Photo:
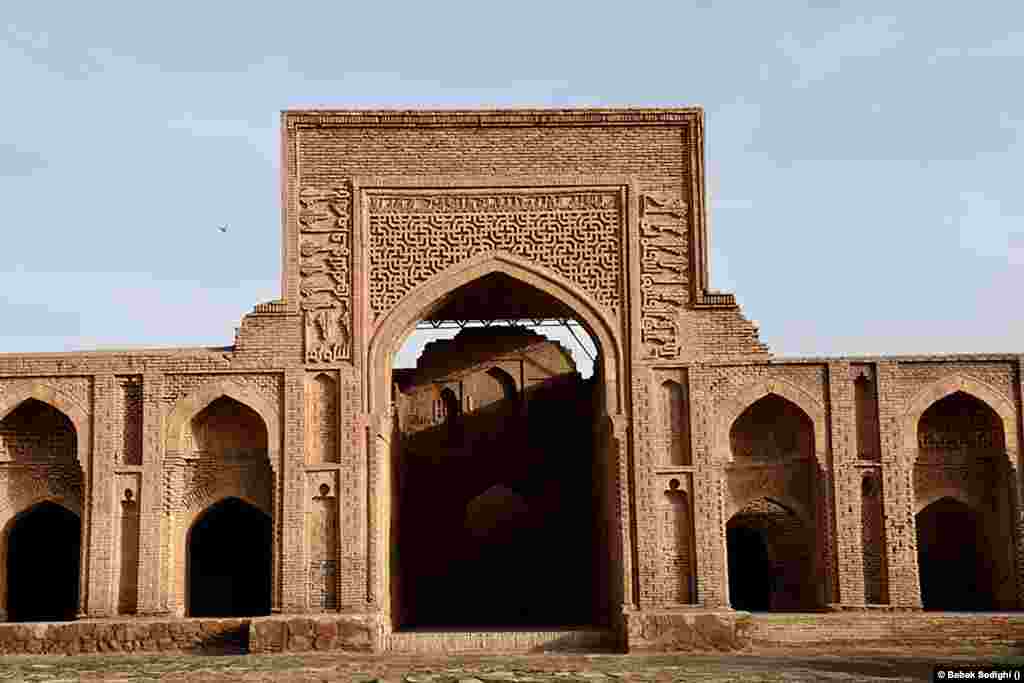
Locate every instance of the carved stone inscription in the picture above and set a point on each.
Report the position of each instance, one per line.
(414, 236)
(664, 264)
(325, 288)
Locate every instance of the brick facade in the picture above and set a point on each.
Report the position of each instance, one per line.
(390, 218)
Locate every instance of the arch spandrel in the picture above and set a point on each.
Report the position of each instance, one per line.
(731, 409)
(190, 406)
(401, 320)
(940, 389)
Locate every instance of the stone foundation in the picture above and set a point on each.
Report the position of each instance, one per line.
(137, 636)
(579, 640)
(303, 634)
(689, 631)
(696, 631)
(884, 629)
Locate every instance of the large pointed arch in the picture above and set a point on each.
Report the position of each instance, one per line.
(190, 406)
(940, 389)
(390, 332)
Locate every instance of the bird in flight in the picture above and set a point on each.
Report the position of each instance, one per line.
(223, 228)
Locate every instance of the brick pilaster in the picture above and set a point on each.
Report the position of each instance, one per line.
(846, 489)
(898, 491)
(151, 496)
(709, 500)
(291, 579)
(100, 518)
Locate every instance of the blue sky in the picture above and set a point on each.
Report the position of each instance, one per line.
(864, 160)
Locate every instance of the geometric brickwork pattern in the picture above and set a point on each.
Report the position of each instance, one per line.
(574, 232)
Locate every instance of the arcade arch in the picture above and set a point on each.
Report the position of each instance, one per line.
(41, 539)
(222, 442)
(774, 479)
(964, 501)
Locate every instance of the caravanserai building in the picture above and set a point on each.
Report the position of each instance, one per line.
(296, 477)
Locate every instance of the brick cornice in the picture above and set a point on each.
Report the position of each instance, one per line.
(415, 118)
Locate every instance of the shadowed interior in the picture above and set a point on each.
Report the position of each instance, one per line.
(750, 571)
(229, 552)
(950, 548)
(965, 533)
(497, 505)
(43, 556)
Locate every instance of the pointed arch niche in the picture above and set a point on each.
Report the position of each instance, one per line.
(44, 441)
(771, 442)
(673, 434)
(222, 441)
(322, 419)
(964, 496)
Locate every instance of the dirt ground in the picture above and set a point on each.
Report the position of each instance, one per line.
(771, 665)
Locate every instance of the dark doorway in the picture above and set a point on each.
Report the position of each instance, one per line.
(950, 557)
(229, 553)
(43, 555)
(750, 571)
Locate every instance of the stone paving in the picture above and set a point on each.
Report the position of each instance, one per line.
(605, 668)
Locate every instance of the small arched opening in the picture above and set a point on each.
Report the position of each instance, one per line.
(43, 556)
(229, 561)
(506, 384)
(770, 551)
(951, 558)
